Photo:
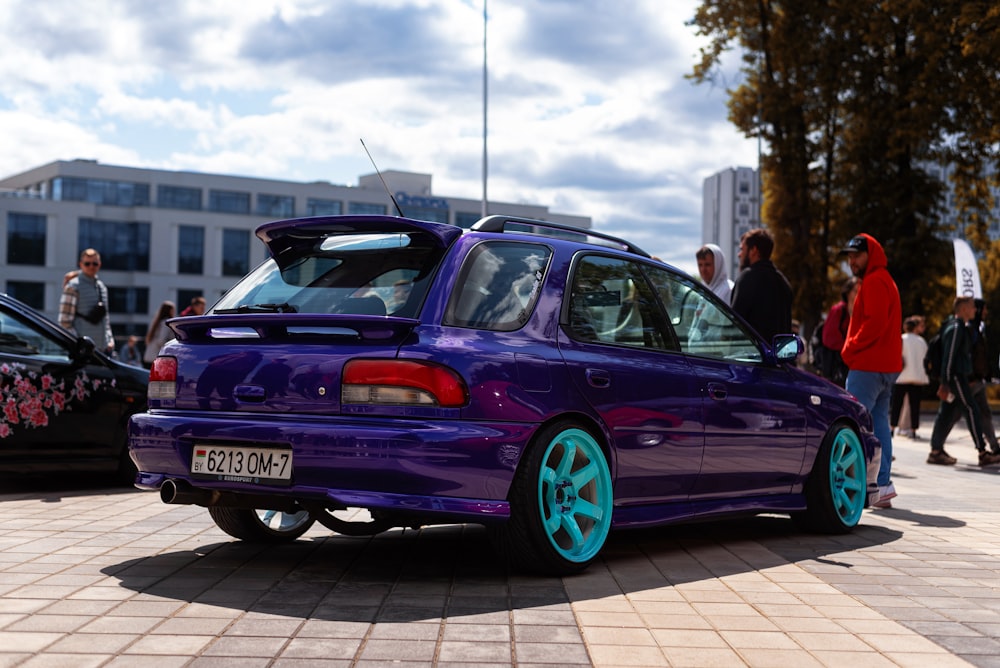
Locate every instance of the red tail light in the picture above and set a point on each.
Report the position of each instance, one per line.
(163, 378)
(402, 383)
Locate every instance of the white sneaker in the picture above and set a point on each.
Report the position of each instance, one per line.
(887, 492)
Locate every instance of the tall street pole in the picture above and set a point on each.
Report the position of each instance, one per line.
(485, 168)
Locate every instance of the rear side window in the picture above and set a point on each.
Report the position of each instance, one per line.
(498, 286)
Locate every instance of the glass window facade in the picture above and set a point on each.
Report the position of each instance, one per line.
(128, 299)
(184, 298)
(278, 206)
(323, 207)
(25, 238)
(123, 245)
(190, 249)
(178, 197)
(228, 201)
(100, 191)
(235, 252)
(364, 207)
(29, 292)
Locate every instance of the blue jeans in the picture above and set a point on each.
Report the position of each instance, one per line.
(874, 391)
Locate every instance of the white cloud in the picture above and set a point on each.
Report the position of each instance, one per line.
(589, 109)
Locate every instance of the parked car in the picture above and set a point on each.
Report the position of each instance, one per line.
(548, 382)
(65, 406)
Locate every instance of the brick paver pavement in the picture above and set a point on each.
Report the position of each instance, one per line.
(115, 578)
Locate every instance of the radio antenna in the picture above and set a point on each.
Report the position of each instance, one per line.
(389, 192)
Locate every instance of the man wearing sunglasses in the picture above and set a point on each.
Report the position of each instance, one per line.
(84, 305)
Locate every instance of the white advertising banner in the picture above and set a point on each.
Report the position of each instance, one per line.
(966, 271)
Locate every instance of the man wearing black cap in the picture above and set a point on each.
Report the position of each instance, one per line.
(873, 349)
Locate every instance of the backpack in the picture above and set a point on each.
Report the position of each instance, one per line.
(932, 358)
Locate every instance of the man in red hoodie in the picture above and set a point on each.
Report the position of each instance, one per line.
(873, 350)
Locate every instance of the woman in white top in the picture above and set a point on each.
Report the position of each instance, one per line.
(158, 333)
(913, 378)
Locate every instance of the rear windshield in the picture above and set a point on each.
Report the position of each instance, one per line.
(368, 274)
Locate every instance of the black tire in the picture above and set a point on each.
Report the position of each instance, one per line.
(561, 504)
(261, 526)
(836, 491)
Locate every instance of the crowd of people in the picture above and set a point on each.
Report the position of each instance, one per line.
(864, 345)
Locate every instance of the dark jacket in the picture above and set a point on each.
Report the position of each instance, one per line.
(956, 351)
(763, 297)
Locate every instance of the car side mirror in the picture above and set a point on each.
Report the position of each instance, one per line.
(84, 349)
(787, 347)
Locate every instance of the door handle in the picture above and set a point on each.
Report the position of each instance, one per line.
(717, 391)
(598, 378)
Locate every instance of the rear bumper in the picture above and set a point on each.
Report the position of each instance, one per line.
(439, 471)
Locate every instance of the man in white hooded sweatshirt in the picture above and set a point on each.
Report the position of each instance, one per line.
(712, 269)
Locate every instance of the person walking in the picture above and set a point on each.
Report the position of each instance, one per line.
(712, 269)
(83, 307)
(873, 349)
(955, 393)
(158, 333)
(912, 379)
(761, 293)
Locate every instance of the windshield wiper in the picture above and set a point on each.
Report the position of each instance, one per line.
(284, 307)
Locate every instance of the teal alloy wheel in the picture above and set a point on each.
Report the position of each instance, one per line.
(561, 502)
(837, 487)
(848, 484)
(574, 495)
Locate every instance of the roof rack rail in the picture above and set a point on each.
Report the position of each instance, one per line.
(497, 223)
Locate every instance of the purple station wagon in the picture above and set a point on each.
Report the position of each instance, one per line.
(548, 382)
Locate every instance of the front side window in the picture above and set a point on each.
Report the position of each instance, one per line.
(498, 286)
(703, 325)
(235, 252)
(25, 238)
(20, 337)
(123, 245)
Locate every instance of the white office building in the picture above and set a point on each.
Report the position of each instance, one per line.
(166, 235)
(730, 207)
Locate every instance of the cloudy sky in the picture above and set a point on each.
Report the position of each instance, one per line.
(589, 110)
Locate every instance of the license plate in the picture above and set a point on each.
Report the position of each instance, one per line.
(249, 465)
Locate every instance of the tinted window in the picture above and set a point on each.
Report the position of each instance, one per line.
(611, 302)
(368, 274)
(498, 286)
